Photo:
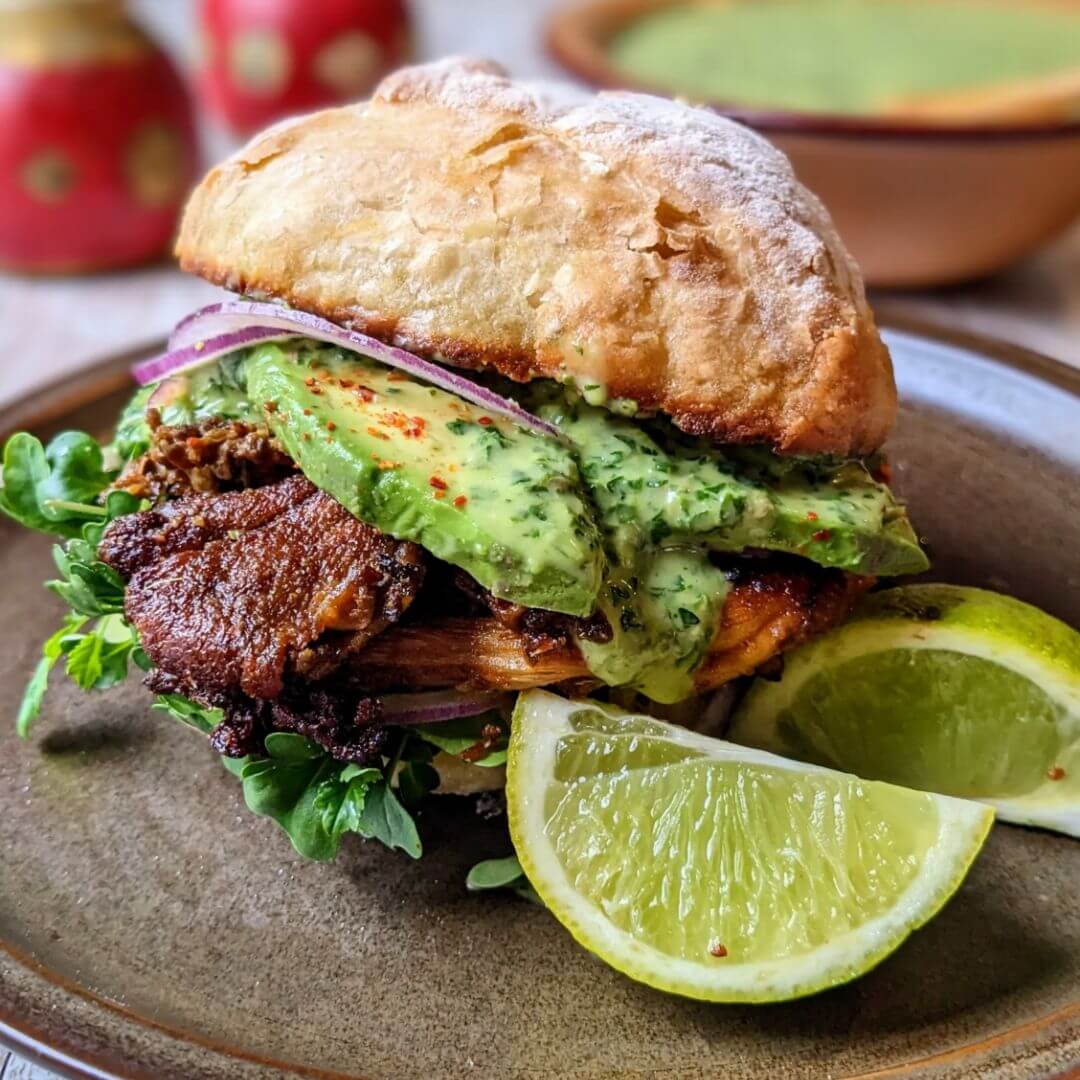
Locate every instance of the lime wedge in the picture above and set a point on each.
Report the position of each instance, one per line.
(716, 871)
(942, 688)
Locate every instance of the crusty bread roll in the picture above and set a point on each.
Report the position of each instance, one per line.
(659, 250)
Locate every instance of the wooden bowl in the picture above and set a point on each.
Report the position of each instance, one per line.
(918, 203)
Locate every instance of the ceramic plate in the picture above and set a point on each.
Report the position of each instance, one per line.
(150, 927)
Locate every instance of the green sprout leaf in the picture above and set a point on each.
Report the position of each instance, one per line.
(416, 780)
(317, 800)
(235, 765)
(57, 490)
(502, 874)
(494, 874)
(342, 810)
(34, 694)
(99, 659)
(385, 819)
(189, 713)
(471, 735)
(132, 437)
(53, 489)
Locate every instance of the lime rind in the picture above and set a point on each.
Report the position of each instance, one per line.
(954, 619)
(991, 614)
(1039, 810)
(542, 719)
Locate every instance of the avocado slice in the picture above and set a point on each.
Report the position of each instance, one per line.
(421, 464)
(652, 485)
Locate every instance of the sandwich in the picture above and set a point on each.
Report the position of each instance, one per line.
(520, 387)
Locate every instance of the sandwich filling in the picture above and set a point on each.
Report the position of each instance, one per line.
(320, 530)
(339, 572)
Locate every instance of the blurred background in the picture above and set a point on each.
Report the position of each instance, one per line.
(943, 134)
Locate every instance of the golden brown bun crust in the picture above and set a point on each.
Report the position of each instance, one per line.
(657, 249)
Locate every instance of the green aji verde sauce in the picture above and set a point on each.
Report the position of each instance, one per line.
(845, 56)
(664, 501)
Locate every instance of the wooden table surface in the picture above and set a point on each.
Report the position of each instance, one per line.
(49, 327)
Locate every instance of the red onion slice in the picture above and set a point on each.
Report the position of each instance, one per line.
(246, 316)
(203, 351)
(435, 707)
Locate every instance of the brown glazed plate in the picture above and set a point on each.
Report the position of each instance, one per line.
(150, 927)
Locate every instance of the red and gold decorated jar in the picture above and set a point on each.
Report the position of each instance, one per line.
(265, 59)
(97, 141)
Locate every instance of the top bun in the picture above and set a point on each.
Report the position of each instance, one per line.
(658, 250)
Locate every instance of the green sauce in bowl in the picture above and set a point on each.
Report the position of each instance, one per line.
(844, 56)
